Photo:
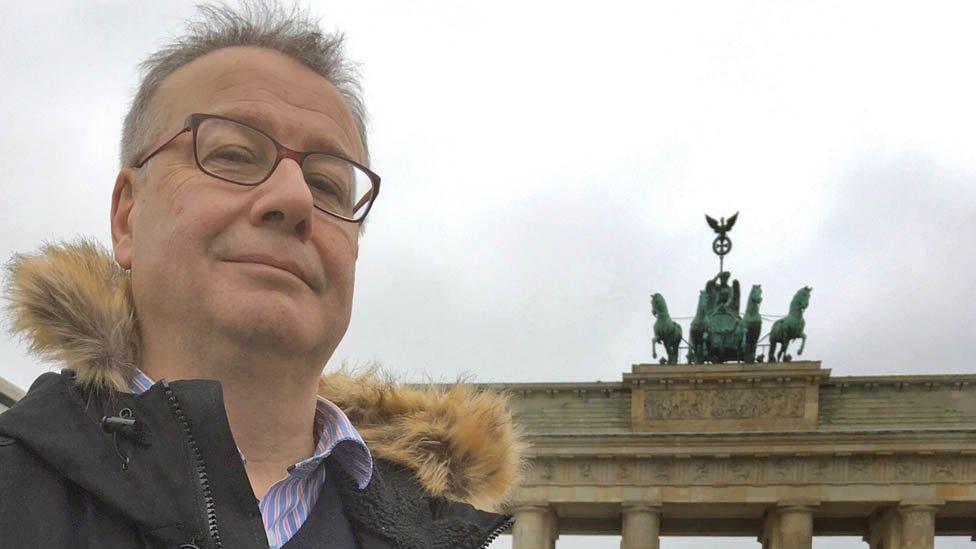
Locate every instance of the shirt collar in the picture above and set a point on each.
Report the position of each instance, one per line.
(334, 433)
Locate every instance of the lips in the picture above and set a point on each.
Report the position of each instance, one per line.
(287, 265)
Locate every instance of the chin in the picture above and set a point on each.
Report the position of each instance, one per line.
(271, 339)
(263, 323)
(279, 319)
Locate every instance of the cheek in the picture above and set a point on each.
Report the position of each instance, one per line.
(338, 252)
(176, 225)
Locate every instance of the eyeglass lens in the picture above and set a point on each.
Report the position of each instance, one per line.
(240, 154)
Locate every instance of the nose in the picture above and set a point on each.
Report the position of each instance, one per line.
(284, 201)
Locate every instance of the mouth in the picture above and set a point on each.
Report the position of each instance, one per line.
(283, 265)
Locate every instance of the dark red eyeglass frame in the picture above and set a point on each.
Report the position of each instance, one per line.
(193, 121)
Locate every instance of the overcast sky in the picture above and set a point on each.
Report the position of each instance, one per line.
(546, 167)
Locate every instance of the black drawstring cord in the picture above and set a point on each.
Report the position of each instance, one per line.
(125, 459)
(129, 427)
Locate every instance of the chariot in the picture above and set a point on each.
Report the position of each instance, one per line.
(724, 336)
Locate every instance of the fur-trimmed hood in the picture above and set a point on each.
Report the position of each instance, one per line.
(73, 304)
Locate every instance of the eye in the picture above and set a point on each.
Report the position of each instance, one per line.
(234, 154)
(324, 185)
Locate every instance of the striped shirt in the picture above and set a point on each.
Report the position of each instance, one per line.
(288, 502)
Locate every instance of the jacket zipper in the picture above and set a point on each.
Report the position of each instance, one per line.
(203, 481)
(505, 524)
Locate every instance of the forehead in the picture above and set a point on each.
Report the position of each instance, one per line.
(266, 89)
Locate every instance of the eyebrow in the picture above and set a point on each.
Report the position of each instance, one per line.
(318, 143)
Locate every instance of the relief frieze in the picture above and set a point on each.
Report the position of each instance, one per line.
(762, 402)
(663, 469)
(944, 469)
(700, 471)
(740, 469)
(819, 468)
(757, 471)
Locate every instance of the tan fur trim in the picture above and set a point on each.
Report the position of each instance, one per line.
(461, 442)
(73, 304)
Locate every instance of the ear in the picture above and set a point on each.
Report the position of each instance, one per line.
(123, 203)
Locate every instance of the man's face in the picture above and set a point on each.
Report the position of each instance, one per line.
(185, 227)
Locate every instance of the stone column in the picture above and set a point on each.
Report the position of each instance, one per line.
(533, 527)
(553, 528)
(795, 526)
(884, 529)
(917, 526)
(641, 526)
(769, 537)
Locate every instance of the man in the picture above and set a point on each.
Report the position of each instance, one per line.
(193, 412)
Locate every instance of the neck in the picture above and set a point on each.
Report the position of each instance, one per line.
(270, 400)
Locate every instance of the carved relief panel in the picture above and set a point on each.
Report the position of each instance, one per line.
(725, 397)
(727, 404)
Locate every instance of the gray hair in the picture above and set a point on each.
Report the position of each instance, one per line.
(262, 23)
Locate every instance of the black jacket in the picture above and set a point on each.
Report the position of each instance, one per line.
(83, 463)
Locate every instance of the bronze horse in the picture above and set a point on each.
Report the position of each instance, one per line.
(790, 327)
(666, 331)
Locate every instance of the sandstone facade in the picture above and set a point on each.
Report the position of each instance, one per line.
(778, 452)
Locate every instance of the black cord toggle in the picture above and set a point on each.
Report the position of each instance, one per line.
(124, 424)
(114, 424)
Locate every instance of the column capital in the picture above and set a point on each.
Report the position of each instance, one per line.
(795, 506)
(908, 503)
(640, 506)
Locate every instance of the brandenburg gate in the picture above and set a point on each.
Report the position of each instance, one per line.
(735, 443)
(777, 452)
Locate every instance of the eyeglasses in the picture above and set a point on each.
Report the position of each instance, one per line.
(242, 154)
